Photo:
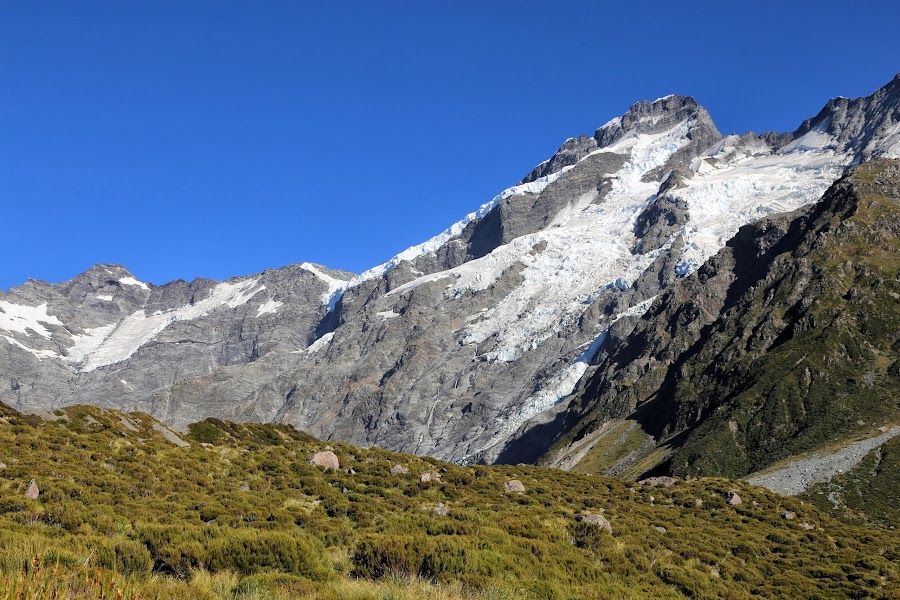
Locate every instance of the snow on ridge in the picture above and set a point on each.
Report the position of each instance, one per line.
(133, 281)
(115, 342)
(21, 318)
(433, 244)
(335, 289)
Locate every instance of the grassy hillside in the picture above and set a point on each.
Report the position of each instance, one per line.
(128, 510)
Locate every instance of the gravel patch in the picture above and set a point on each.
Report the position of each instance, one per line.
(798, 476)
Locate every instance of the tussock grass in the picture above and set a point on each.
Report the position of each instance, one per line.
(240, 514)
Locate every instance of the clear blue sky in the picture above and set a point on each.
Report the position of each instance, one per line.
(214, 138)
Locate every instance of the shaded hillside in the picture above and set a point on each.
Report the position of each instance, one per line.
(237, 511)
(786, 340)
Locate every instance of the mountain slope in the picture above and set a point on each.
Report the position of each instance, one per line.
(467, 346)
(237, 511)
(788, 339)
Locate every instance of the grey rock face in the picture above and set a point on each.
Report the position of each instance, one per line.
(659, 222)
(866, 126)
(181, 352)
(572, 151)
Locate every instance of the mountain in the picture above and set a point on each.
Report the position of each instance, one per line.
(784, 342)
(469, 346)
(103, 504)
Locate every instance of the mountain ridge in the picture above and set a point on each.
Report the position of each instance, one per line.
(460, 345)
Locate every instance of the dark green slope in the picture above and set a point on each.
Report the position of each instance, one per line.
(236, 511)
(784, 342)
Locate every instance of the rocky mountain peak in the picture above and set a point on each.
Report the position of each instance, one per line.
(642, 118)
(649, 118)
(868, 126)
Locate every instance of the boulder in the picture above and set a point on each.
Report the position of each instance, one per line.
(33, 490)
(789, 515)
(698, 502)
(514, 485)
(663, 481)
(732, 498)
(399, 470)
(596, 519)
(327, 459)
(430, 476)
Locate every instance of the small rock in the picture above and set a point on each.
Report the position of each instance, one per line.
(351, 472)
(652, 498)
(245, 487)
(2, 466)
(661, 529)
(596, 519)
(399, 470)
(664, 481)
(714, 572)
(807, 526)
(326, 459)
(698, 502)
(33, 490)
(430, 476)
(789, 515)
(514, 485)
(732, 498)
(440, 510)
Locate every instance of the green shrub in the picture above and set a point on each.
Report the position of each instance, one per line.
(125, 556)
(249, 551)
(381, 556)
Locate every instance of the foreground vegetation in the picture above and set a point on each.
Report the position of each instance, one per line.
(125, 512)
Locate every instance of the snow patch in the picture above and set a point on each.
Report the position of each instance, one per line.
(133, 281)
(39, 353)
(816, 139)
(268, 307)
(105, 297)
(116, 342)
(320, 343)
(22, 319)
(388, 314)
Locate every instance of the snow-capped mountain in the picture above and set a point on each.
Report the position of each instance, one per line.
(457, 346)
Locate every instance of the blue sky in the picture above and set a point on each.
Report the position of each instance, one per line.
(216, 138)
